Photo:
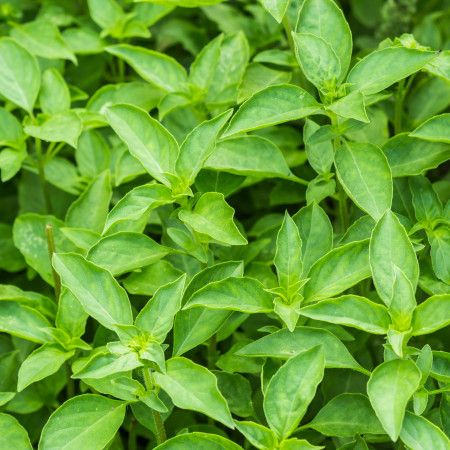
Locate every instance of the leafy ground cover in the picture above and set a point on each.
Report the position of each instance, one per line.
(224, 224)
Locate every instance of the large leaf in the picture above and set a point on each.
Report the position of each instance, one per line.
(352, 311)
(154, 67)
(338, 270)
(249, 155)
(12, 434)
(390, 387)
(347, 415)
(20, 77)
(390, 246)
(191, 386)
(284, 344)
(436, 129)
(431, 315)
(273, 105)
(235, 294)
(85, 421)
(96, 290)
(382, 68)
(213, 217)
(291, 390)
(146, 138)
(366, 177)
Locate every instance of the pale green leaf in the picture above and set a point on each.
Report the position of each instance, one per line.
(431, 315)
(12, 434)
(436, 129)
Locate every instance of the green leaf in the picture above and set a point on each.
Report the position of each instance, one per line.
(249, 155)
(298, 444)
(320, 155)
(346, 415)
(192, 441)
(288, 255)
(96, 290)
(194, 326)
(146, 138)
(198, 146)
(213, 217)
(23, 321)
(65, 127)
(352, 106)
(419, 433)
(193, 387)
(40, 364)
(106, 14)
(324, 20)
(318, 61)
(431, 315)
(29, 237)
(338, 270)
(382, 68)
(412, 156)
(13, 434)
(426, 203)
(20, 77)
(435, 129)
(54, 96)
(316, 234)
(156, 68)
(389, 247)
(125, 251)
(390, 387)
(273, 105)
(91, 208)
(440, 252)
(235, 294)
(135, 206)
(352, 311)
(42, 38)
(291, 390)
(258, 435)
(157, 316)
(85, 421)
(285, 344)
(276, 8)
(366, 177)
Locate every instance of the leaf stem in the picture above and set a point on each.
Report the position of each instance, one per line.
(51, 250)
(439, 391)
(288, 31)
(212, 350)
(41, 173)
(160, 435)
(398, 113)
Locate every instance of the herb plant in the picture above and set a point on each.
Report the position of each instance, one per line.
(224, 224)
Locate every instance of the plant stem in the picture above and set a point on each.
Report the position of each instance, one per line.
(343, 211)
(212, 349)
(132, 436)
(160, 435)
(41, 172)
(439, 391)
(51, 250)
(70, 388)
(288, 30)
(399, 99)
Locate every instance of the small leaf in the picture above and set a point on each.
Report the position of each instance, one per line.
(352, 311)
(338, 270)
(390, 387)
(352, 106)
(389, 247)
(193, 441)
(96, 290)
(431, 315)
(213, 217)
(20, 77)
(193, 387)
(85, 421)
(258, 435)
(320, 155)
(291, 390)
(54, 96)
(276, 8)
(366, 177)
(435, 129)
(157, 316)
(346, 415)
(156, 68)
(419, 433)
(12, 434)
(236, 294)
(273, 105)
(403, 301)
(146, 138)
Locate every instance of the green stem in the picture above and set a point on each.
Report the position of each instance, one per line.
(343, 210)
(51, 250)
(439, 391)
(212, 350)
(161, 435)
(41, 173)
(70, 388)
(398, 114)
(288, 30)
(132, 444)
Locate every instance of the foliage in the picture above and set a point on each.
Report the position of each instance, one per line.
(224, 224)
